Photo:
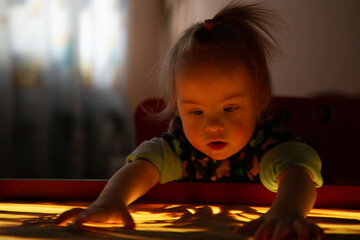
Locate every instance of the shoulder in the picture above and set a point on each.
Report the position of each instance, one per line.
(158, 152)
(151, 149)
(286, 155)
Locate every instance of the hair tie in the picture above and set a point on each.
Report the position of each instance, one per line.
(208, 24)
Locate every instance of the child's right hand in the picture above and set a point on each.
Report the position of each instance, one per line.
(96, 214)
(125, 186)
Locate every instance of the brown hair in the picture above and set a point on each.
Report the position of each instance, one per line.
(236, 34)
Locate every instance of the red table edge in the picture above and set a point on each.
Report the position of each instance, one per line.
(328, 196)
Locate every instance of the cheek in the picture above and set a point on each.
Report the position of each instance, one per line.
(191, 129)
(192, 132)
(243, 129)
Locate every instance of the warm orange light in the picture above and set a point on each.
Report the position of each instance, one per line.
(348, 221)
(164, 221)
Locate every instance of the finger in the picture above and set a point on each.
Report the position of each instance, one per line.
(282, 229)
(127, 218)
(91, 215)
(68, 215)
(251, 226)
(318, 232)
(302, 229)
(264, 231)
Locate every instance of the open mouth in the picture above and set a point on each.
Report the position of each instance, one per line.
(217, 145)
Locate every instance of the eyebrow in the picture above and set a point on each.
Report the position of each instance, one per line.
(237, 95)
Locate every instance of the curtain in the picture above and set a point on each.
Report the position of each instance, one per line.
(62, 75)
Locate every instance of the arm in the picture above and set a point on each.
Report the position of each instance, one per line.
(125, 186)
(296, 192)
(129, 183)
(295, 198)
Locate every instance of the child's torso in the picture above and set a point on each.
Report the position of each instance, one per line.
(241, 167)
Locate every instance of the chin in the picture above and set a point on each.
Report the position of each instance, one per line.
(219, 157)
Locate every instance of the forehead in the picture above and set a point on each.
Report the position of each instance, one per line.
(213, 72)
(213, 82)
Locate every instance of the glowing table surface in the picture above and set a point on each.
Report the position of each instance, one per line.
(26, 217)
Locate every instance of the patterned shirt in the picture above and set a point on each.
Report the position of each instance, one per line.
(270, 151)
(241, 167)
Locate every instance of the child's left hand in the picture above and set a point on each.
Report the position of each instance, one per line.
(278, 225)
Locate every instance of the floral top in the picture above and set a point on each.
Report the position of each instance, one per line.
(270, 151)
(241, 167)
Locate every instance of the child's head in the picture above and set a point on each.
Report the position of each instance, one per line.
(237, 36)
(216, 78)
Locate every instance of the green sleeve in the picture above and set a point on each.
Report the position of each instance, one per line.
(158, 151)
(285, 155)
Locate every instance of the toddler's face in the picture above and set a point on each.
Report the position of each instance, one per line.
(217, 109)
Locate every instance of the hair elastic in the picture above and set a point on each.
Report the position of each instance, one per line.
(208, 24)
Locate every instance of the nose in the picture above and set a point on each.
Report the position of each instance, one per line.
(214, 124)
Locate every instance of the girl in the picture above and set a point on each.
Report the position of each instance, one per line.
(216, 80)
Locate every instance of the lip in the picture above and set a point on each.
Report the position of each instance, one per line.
(217, 145)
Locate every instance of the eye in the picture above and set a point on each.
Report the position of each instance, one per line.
(231, 108)
(196, 112)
